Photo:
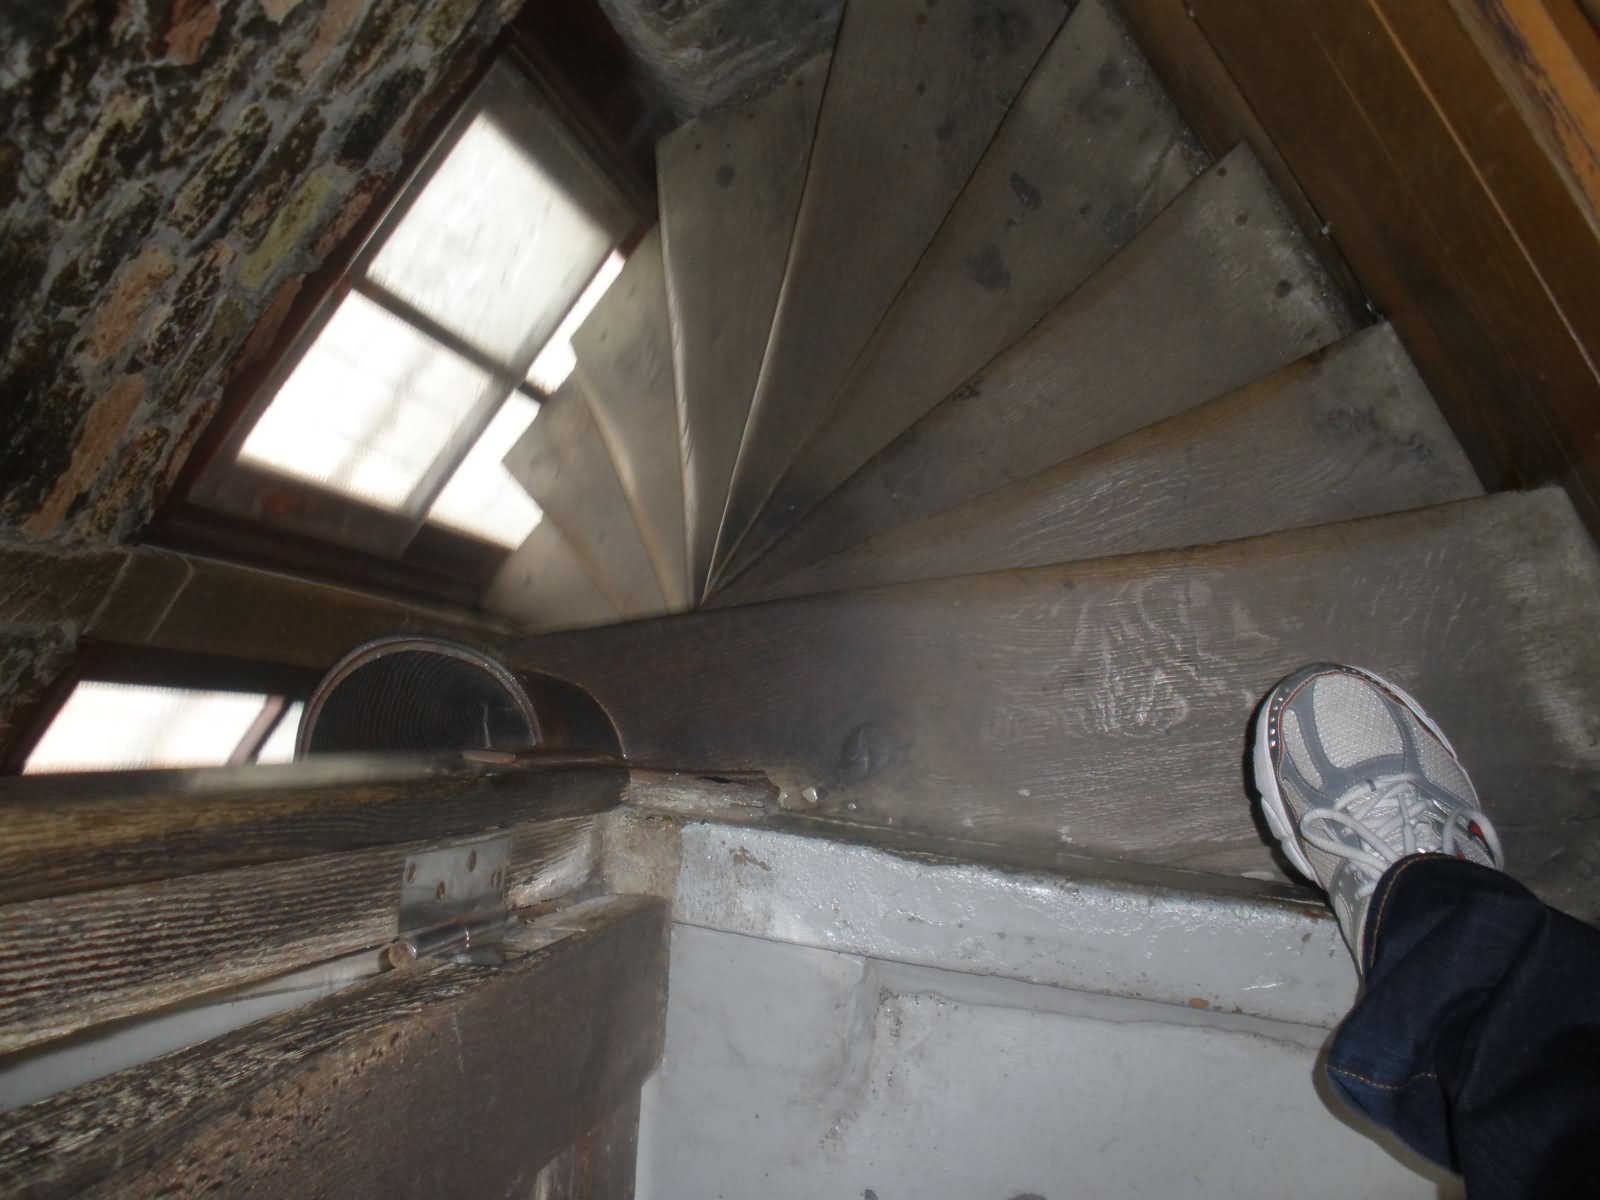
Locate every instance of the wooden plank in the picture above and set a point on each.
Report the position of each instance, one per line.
(63, 834)
(1346, 432)
(1102, 706)
(563, 463)
(1089, 153)
(1547, 58)
(1217, 291)
(625, 364)
(74, 961)
(599, 1166)
(730, 187)
(545, 584)
(436, 1080)
(1356, 115)
(914, 95)
(175, 601)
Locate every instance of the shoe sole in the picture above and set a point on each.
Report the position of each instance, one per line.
(1272, 803)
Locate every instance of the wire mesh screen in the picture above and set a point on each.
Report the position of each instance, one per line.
(410, 694)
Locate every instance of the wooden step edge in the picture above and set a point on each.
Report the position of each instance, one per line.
(1012, 527)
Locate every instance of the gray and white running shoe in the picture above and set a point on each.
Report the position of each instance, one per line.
(1353, 777)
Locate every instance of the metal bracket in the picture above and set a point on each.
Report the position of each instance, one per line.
(453, 903)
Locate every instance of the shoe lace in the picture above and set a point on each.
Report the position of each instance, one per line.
(1393, 818)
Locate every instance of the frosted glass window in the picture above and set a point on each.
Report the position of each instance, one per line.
(558, 359)
(493, 249)
(482, 497)
(279, 746)
(367, 408)
(116, 726)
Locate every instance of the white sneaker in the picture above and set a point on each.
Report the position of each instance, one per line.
(1353, 777)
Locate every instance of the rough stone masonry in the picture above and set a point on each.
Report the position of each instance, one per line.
(170, 171)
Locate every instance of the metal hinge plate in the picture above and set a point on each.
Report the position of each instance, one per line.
(453, 902)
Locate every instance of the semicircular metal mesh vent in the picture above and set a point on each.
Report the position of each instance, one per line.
(412, 694)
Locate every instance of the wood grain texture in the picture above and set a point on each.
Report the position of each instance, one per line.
(730, 186)
(1103, 706)
(545, 584)
(624, 355)
(564, 464)
(1376, 111)
(914, 96)
(437, 1080)
(74, 961)
(1089, 153)
(1547, 58)
(1346, 432)
(63, 834)
(1217, 291)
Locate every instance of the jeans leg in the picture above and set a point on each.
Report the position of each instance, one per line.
(1477, 1035)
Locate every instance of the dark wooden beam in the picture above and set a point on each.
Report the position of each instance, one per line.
(65, 834)
(436, 1080)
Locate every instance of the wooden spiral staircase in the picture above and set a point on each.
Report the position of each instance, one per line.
(969, 452)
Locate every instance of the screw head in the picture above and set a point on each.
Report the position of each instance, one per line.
(438, 892)
(411, 872)
(472, 860)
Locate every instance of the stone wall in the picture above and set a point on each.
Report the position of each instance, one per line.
(170, 171)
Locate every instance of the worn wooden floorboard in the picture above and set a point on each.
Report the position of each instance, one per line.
(598, 1166)
(624, 355)
(545, 584)
(1089, 153)
(1217, 291)
(64, 834)
(914, 95)
(1103, 706)
(730, 186)
(437, 1080)
(564, 464)
(1346, 432)
(74, 961)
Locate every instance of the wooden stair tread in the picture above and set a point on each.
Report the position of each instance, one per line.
(1345, 432)
(563, 463)
(624, 355)
(545, 585)
(1218, 290)
(1089, 153)
(730, 186)
(1103, 706)
(914, 94)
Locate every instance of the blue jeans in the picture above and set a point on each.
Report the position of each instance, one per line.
(1477, 1036)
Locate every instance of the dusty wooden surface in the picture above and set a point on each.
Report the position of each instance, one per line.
(79, 960)
(64, 834)
(1346, 432)
(914, 95)
(1441, 201)
(730, 187)
(598, 1166)
(1216, 292)
(625, 364)
(1103, 706)
(564, 464)
(436, 1080)
(545, 584)
(1090, 151)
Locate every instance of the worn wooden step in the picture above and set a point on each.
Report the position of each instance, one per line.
(1090, 151)
(914, 95)
(729, 186)
(545, 584)
(1102, 706)
(1346, 432)
(1217, 291)
(624, 355)
(564, 464)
